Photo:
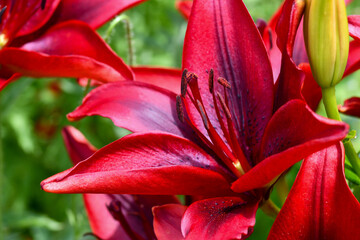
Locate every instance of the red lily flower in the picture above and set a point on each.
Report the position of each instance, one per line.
(114, 216)
(30, 33)
(229, 130)
(351, 107)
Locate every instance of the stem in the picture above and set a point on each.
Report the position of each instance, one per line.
(282, 188)
(270, 209)
(333, 113)
(125, 19)
(330, 103)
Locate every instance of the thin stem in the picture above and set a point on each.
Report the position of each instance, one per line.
(282, 188)
(270, 209)
(333, 113)
(125, 19)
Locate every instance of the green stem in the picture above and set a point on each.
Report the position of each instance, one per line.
(282, 188)
(125, 19)
(332, 112)
(270, 209)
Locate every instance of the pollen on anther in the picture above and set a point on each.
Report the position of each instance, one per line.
(184, 83)
(211, 80)
(179, 109)
(224, 82)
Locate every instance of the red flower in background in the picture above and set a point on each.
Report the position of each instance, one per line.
(45, 38)
(231, 146)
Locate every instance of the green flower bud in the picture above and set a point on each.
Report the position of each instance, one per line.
(326, 37)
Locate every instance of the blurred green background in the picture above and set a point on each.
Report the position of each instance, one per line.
(33, 112)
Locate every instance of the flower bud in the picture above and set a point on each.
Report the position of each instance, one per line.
(326, 37)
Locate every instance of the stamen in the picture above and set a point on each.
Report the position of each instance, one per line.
(2, 12)
(211, 80)
(179, 109)
(203, 116)
(43, 3)
(224, 82)
(190, 76)
(223, 105)
(184, 83)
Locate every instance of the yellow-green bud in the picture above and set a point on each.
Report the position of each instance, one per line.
(326, 37)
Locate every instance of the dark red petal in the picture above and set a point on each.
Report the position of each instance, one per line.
(94, 12)
(77, 39)
(39, 18)
(293, 133)
(351, 107)
(270, 38)
(102, 222)
(320, 204)
(184, 7)
(5, 81)
(291, 77)
(212, 41)
(77, 145)
(167, 221)
(136, 106)
(288, 24)
(151, 163)
(167, 78)
(310, 90)
(354, 26)
(219, 218)
(353, 62)
(289, 82)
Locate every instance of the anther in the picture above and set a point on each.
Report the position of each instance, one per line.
(224, 82)
(223, 105)
(179, 108)
(211, 80)
(43, 3)
(184, 83)
(190, 76)
(203, 115)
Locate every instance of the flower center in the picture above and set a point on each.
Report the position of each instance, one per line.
(14, 15)
(227, 148)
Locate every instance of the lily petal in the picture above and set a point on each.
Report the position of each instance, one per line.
(212, 41)
(77, 145)
(5, 81)
(353, 63)
(219, 218)
(136, 106)
(94, 12)
(167, 221)
(289, 139)
(151, 163)
(184, 7)
(310, 90)
(351, 107)
(320, 204)
(167, 78)
(354, 26)
(75, 39)
(39, 18)
(102, 222)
